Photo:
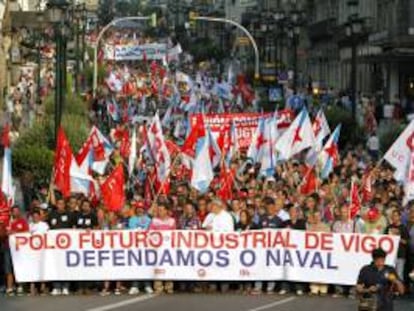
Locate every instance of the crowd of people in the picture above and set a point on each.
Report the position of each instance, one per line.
(257, 203)
(282, 200)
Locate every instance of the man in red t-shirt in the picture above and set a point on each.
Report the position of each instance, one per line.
(17, 225)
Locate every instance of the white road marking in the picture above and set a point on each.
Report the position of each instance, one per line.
(122, 303)
(274, 304)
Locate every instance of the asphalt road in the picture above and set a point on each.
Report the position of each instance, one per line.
(184, 302)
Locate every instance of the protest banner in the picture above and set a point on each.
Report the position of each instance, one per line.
(246, 123)
(152, 51)
(72, 255)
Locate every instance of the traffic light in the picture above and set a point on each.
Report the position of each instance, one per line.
(192, 23)
(192, 15)
(153, 20)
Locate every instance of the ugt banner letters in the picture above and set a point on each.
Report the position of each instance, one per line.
(246, 123)
(68, 255)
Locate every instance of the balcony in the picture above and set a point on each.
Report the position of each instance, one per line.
(322, 30)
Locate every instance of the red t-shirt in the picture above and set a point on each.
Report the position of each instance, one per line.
(19, 225)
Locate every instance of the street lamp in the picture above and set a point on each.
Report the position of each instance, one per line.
(353, 30)
(39, 45)
(77, 16)
(295, 23)
(279, 18)
(56, 15)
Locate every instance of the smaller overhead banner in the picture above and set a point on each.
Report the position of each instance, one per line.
(154, 51)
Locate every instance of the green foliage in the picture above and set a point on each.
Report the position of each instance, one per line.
(351, 132)
(34, 150)
(89, 74)
(31, 153)
(105, 12)
(74, 105)
(390, 134)
(35, 159)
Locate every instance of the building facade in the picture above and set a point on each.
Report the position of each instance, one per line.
(385, 46)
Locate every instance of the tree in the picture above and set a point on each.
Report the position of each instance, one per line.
(106, 12)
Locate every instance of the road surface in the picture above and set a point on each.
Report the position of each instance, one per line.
(184, 302)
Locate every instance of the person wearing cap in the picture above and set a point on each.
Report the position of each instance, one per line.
(375, 222)
(139, 221)
(379, 281)
(18, 225)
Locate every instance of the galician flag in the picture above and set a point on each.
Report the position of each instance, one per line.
(133, 152)
(159, 150)
(202, 174)
(297, 137)
(268, 153)
(409, 184)
(320, 129)
(329, 156)
(399, 153)
(7, 182)
(80, 178)
(258, 140)
(214, 149)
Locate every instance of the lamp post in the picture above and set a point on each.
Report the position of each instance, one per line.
(195, 17)
(353, 30)
(84, 23)
(39, 46)
(294, 34)
(56, 13)
(295, 22)
(78, 20)
(279, 18)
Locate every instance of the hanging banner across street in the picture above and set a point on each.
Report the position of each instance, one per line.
(153, 51)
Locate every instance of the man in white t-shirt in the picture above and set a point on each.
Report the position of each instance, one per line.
(37, 225)
(218, 220)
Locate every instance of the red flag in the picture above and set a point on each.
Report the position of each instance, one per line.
(226, 184)
(309, 181)
(4, 210)
(367, 187)
(355, 205)
(125, 146)
(63, 158)
(172, 147)
(197, 130)
(112, 190)
(5, 137)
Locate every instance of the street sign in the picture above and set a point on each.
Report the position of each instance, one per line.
(243, 41)
(275, 94)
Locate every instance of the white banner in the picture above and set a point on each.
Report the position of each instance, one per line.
(153, 51)
(70, 255)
